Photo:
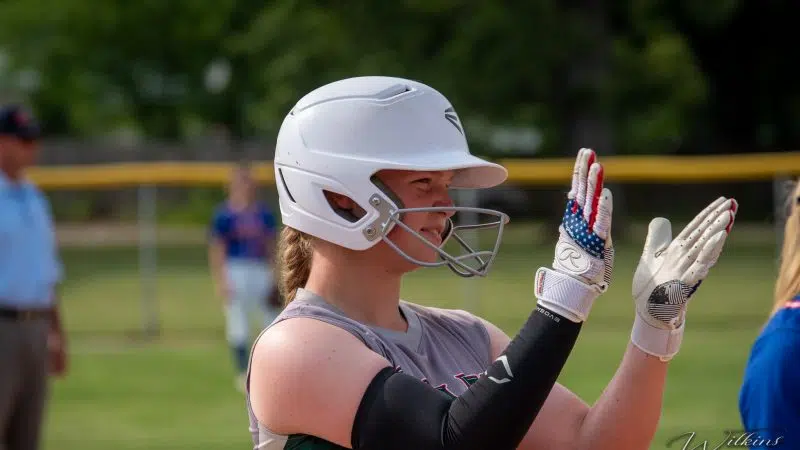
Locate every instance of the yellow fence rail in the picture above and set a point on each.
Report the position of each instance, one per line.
(622, 169)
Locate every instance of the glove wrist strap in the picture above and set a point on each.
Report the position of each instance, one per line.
(564, 294)
(660, 342)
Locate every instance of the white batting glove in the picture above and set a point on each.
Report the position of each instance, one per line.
(584, 256)
(669, 273)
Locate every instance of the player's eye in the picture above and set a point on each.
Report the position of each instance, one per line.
(422, 182)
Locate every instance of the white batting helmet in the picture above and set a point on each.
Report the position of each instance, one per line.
(337, 137)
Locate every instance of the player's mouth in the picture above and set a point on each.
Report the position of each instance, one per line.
(433, 234)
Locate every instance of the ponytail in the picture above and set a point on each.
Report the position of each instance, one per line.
(295, 250)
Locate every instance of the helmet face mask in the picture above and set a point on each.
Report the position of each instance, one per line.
(339, 136)
(458, 264)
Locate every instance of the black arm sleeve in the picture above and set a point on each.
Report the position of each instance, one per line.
(400, 412)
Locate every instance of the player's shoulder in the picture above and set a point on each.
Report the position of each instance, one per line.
(38, 198)
(307, 331)
(223, 207)
(265, 209)
(782, 329)
(777, 347)
(306, 318)
(311, 362)
(780, 338)
(786, 319)
(27, 185)
(263, 206)
(37, 193)
(435, 312)
(297, 345)
(222, 211)
(772, 365)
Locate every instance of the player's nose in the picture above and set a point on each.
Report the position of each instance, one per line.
(445, 201)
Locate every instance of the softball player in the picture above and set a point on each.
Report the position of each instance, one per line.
(241, 255)
(769, 399)
(363, 169)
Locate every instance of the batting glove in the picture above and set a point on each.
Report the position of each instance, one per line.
(584, 256)
(669, 273)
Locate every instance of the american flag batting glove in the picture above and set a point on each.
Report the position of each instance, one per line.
(669, 273)
(584, 256)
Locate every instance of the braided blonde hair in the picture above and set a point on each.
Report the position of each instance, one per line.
(295, 250)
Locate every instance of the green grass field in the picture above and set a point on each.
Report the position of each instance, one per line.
(177, 392)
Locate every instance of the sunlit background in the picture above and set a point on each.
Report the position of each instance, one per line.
(685, 100)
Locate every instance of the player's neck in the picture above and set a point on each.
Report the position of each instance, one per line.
(365, 292)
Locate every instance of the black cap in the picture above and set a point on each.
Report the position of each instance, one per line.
(18, 122)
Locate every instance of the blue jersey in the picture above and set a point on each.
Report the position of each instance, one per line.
(245, 233)
(769, 400)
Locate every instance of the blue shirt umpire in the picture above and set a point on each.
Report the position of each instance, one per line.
(31, 338)
(29, 263)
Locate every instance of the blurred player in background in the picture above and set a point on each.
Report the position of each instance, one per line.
(241, 256)
(32, 343)
(769, 400)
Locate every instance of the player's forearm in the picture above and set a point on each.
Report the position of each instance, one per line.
(217, 271)
(626, 415)
(216, 259)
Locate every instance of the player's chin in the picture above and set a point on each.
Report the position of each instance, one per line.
(429, 256)
(421, 254)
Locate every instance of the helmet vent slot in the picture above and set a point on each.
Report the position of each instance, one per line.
(285, 187)
(352, 214)
(393, 91)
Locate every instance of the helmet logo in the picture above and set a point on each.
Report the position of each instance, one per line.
(452, 117)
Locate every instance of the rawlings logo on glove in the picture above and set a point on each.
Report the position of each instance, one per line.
(570, 258)
(584, 248)
(584, 256)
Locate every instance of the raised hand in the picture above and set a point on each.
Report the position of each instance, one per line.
(584, 255)
(670, 271)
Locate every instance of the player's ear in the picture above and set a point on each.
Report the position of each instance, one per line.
(344, 206)
(339, 201)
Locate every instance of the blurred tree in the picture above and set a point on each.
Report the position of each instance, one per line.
(115, 63)
(630, 77)
(744, 48)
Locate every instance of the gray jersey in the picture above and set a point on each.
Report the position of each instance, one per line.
(447, 349)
